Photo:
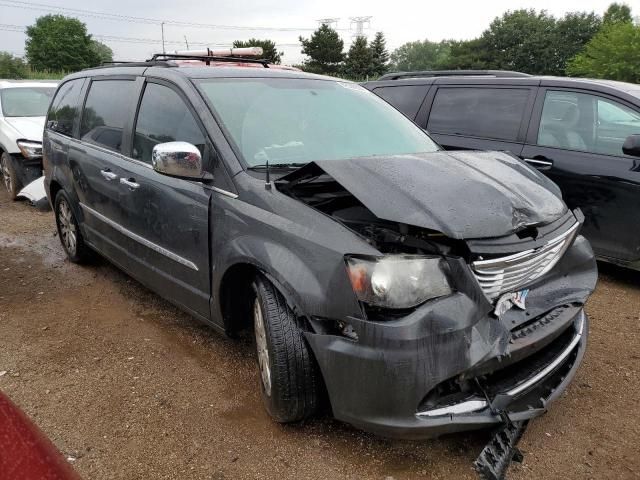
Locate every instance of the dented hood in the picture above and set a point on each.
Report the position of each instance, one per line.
(460, 194)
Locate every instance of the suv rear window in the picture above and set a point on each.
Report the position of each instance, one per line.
(478, 112)
(406, 98)
(105, 112)
(64, 108)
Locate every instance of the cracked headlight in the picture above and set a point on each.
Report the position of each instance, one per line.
(397, 281)
(30, 149)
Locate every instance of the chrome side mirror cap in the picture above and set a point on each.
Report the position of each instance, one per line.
(177, 159)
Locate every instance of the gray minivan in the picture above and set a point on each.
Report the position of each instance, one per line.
(423, 293)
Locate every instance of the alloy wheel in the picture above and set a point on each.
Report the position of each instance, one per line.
(67, 227)
(6, 174)
(261, 345)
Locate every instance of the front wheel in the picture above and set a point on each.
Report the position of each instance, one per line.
(289, 376)
(9, 176)
(68, 230)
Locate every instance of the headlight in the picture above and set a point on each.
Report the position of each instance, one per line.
(30, 149)
(397, 281)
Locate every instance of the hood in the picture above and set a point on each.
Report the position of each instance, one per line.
(28, 128)
(463, 195)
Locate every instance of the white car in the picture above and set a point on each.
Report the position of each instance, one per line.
(23, 108)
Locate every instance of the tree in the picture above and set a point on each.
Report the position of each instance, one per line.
(572, 33)
(104, 53)
(324, 50)
(614, 53)
(379, 55)
(57, 43)
(420, 55)
(467, 55)
(11, 67)
(269, 50)
(617, 13)
(359, 62)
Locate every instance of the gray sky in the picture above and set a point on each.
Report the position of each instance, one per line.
(400, 21)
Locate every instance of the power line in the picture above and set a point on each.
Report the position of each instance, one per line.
(142, 20)
(154, 41)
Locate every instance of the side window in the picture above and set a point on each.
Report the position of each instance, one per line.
(164, 117)
(105, 112)
(64, 107)
(406, 98)
(584, 122)
(478, 112)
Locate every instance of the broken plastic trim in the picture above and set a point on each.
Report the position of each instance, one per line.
(496, 456)
(477, 404)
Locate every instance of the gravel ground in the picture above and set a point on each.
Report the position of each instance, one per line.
(129, 387)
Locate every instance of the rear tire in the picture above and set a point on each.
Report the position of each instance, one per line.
(69, 232)
(9, 176)
(289, 375)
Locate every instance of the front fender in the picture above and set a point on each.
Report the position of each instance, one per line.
(312, 287)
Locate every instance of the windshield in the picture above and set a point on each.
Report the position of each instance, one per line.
(296, 121)
(26, 101)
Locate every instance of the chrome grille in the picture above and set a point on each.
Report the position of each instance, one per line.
(504, 274)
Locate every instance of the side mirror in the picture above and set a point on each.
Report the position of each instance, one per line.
(177, 159)
(631, 146)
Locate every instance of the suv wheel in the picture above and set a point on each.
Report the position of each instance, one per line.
(289, 376)
(68, 230)
(9, 177)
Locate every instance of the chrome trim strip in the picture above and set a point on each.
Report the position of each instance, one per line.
(549, 368)
(544, 163)
(458, 408)
(475, 405)
(139, 239)
(224, 192)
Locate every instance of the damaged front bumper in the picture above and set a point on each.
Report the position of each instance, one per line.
(451, 365)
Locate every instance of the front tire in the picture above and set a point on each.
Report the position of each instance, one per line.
(289, 376)
(68, 231)
(9, 176)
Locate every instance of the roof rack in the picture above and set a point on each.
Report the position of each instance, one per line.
(158, 57)
(453, 73)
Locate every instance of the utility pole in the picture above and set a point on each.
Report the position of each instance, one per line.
(331, 22)
(162, 27)
(186, 41)
(360, 23)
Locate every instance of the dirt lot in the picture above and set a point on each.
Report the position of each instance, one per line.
(128, 387)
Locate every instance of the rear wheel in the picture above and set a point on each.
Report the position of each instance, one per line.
(9, 176)
(68, 231)
(289, 376)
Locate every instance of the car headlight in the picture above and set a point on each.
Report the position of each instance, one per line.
(397, 281)
(30, 149)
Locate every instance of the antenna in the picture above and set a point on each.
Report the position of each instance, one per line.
(267, 184)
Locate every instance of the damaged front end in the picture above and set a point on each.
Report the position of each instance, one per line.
(414, 366)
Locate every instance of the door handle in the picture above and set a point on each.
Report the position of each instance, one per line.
(108, 174)
(129, 182)
(539, 162)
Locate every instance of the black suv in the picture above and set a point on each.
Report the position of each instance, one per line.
(583, 134)
(424, 291)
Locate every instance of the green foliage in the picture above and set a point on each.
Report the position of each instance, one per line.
(379, 55)
(425, 55)
(104, 53)
(617, 13)
(467, 55)
(324, 50)
(12, 67)
(614, 53)
(359, 60)
(58, 43)
(269, 50)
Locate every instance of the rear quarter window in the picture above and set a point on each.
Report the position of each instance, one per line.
(494, 113)
(406, 98)
(64, 108)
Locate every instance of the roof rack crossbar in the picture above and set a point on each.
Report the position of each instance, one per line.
(208, 58)
(453, 73)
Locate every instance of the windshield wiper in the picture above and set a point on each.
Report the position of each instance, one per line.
(264, 166)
